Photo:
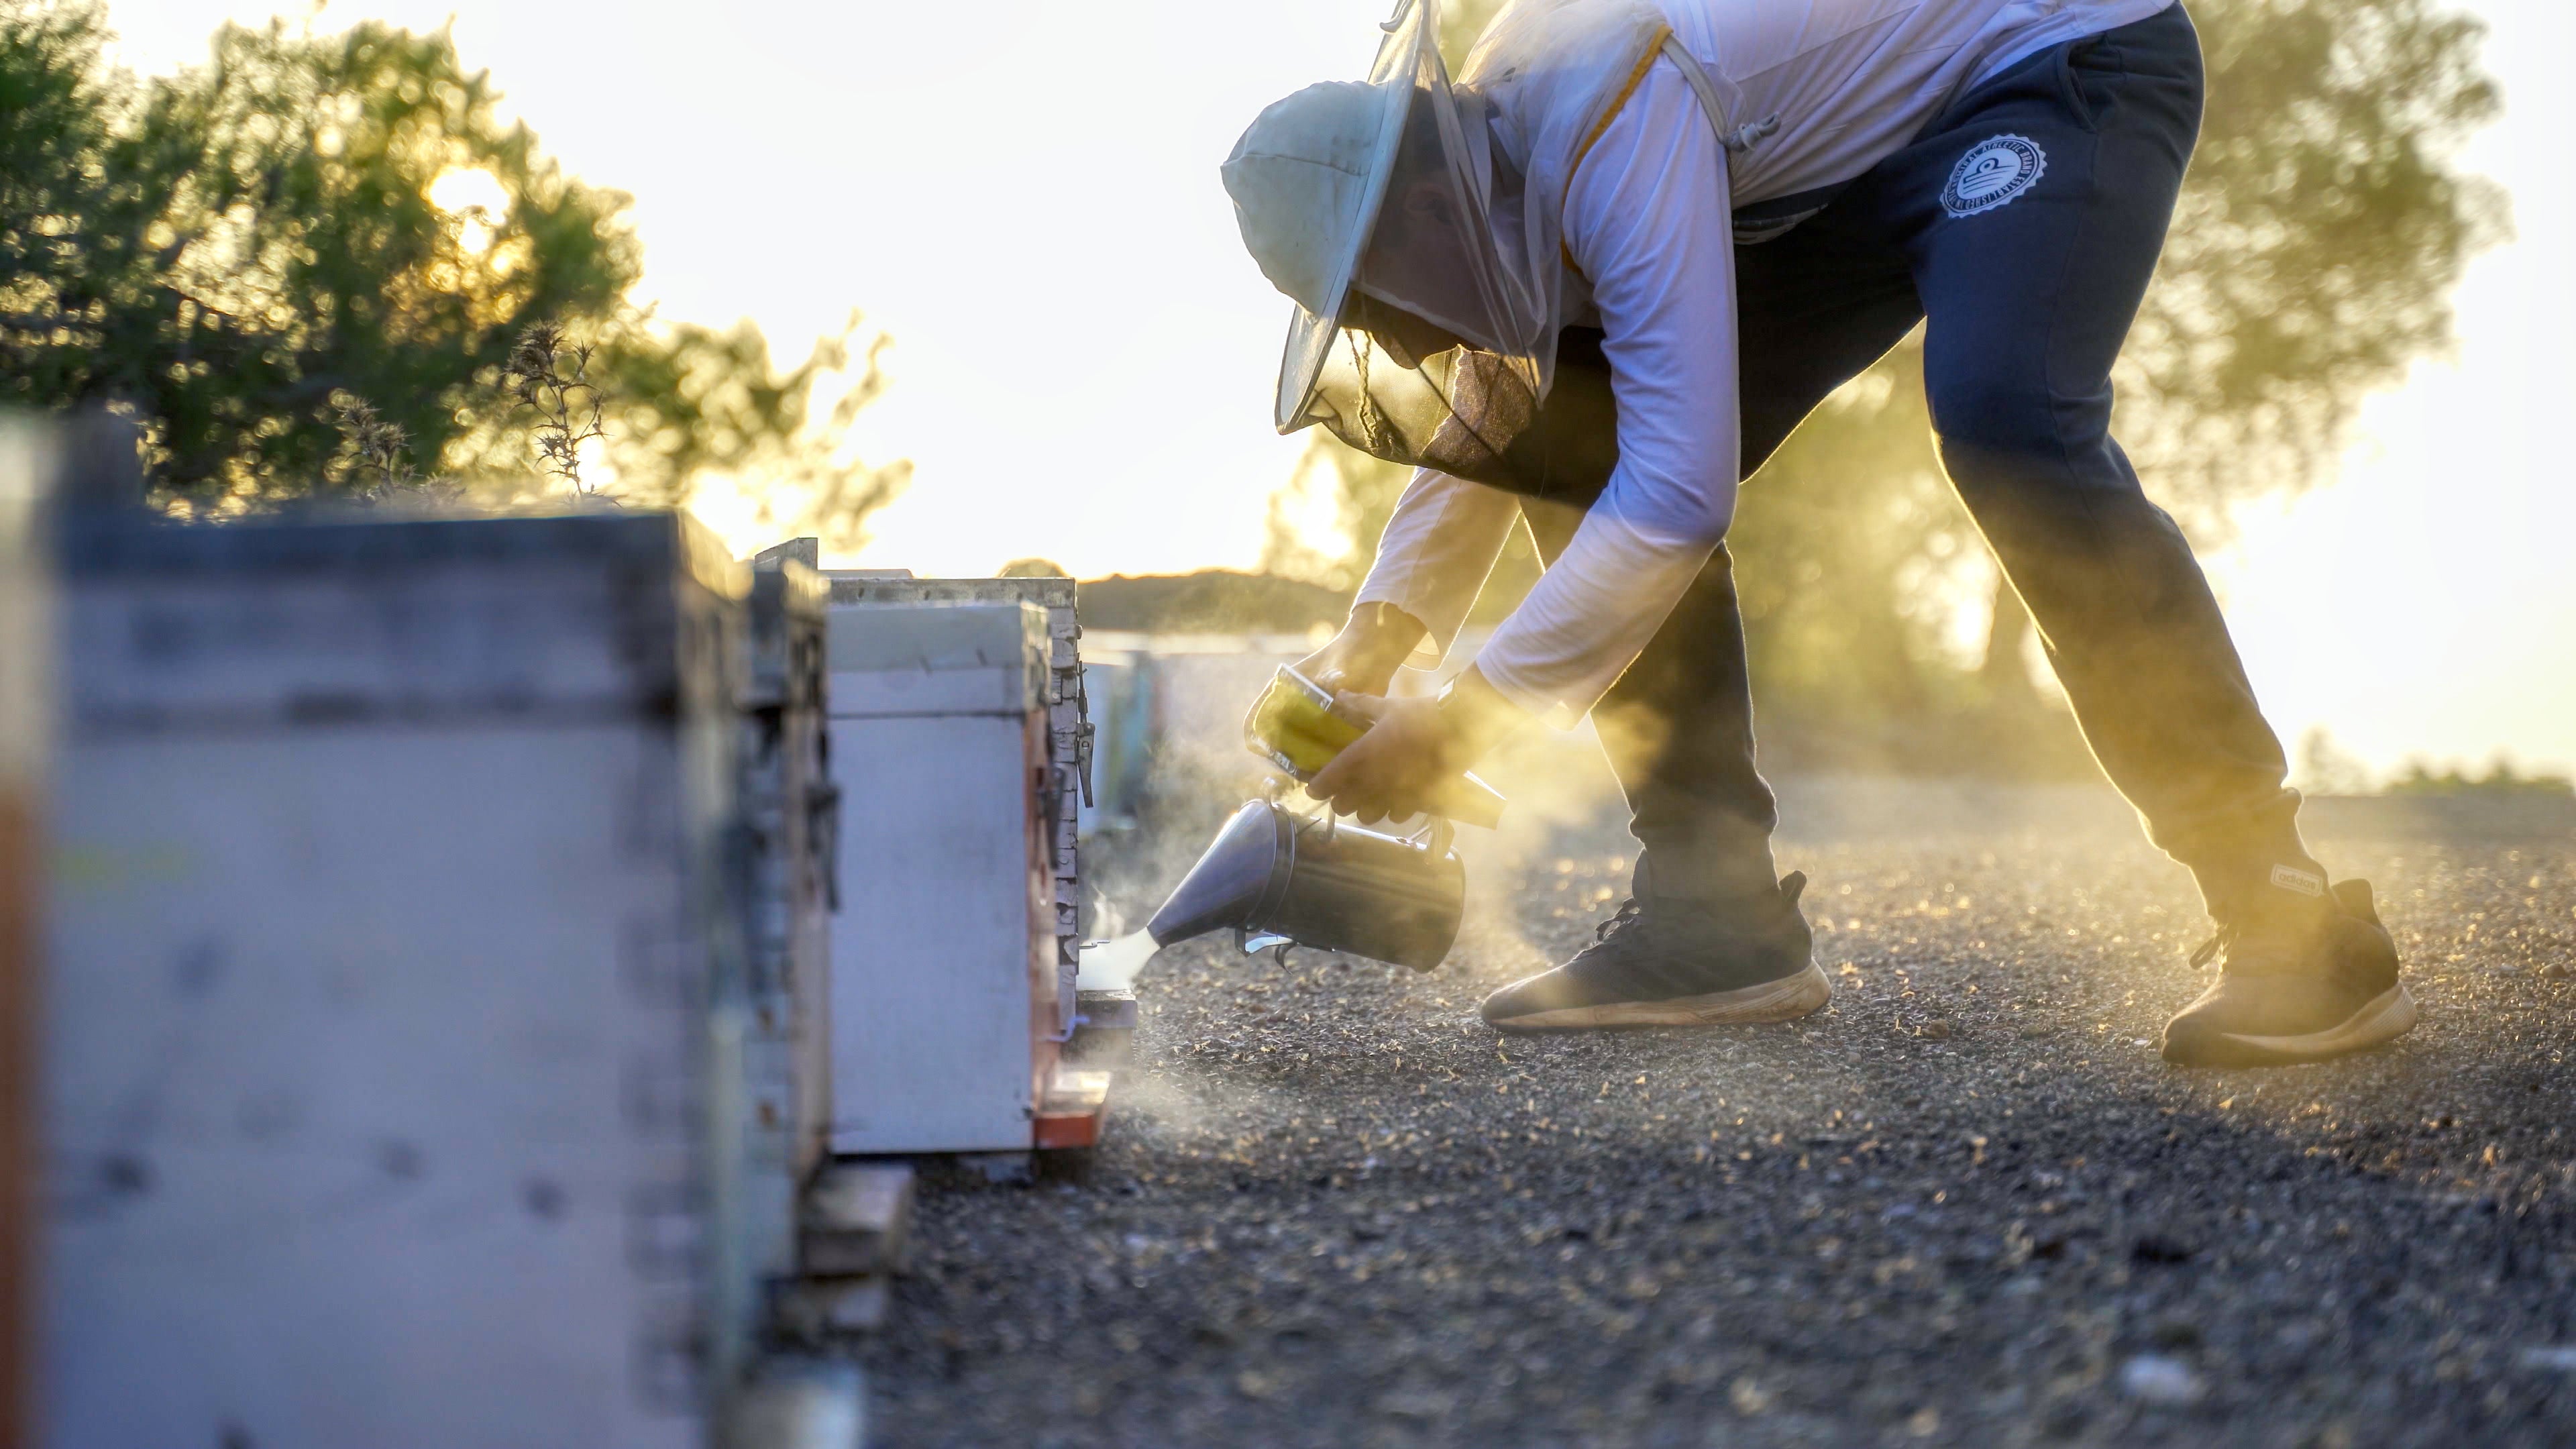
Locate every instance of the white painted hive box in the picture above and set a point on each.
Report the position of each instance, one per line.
(791, 813)
(393, 1080)
(1069, 728)
(945, 989)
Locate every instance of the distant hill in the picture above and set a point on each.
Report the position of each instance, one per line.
(1211, 601)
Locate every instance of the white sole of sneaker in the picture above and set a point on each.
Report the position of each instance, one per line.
(1786, 999)
(2389, 1016)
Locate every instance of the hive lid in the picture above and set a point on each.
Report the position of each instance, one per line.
(323, 619)
(324, 542)
(933, 659)
(858, 586)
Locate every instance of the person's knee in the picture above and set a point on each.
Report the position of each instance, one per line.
(1994, 412)
(2002, 436)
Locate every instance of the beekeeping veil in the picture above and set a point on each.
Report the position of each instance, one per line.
(1402, 192)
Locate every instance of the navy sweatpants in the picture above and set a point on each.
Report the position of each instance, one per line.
(2021, 226)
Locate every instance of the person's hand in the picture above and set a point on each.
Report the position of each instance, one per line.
(1363, 657)
(1413, 749)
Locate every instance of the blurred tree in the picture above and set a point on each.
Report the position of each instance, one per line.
(2501, 778)
(687, 404)
(2312, 258)
(1324, 524)
(2326, 768)
(244, 252)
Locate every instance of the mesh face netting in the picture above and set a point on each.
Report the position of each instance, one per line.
(1466, 241)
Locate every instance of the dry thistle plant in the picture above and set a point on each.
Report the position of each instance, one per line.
(379, 463)
(376, 446)
(568, 405)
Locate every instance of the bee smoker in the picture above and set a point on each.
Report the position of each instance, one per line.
(1278, 878)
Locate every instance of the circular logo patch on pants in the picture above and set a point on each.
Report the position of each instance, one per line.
(1993, 172)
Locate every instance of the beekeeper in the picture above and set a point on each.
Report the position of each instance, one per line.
(1599, 279)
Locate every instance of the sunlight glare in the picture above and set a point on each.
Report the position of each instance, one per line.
(476, 199)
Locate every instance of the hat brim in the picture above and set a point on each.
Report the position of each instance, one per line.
(1310, 337)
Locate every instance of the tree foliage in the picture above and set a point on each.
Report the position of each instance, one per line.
(688, 403)
(241, 253)
(2321, 230)
(2313, 254)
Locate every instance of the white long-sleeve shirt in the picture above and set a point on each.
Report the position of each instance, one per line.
(1649, 225)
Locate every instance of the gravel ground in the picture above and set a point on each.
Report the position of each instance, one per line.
(1965, 1205)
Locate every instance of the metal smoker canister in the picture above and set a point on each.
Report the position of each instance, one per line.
(1276, 877)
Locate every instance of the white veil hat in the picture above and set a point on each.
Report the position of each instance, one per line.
(1307, 179)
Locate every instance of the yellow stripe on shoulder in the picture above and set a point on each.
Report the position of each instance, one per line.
(1601, 124)
(1618, 100)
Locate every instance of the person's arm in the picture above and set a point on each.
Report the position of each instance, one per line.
(1431, 563)
(1647, 219)
(1438, 546)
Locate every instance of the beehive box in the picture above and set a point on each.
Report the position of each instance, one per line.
(946, 1001)
(393, 1083)
(1068, 728)
(791, 809)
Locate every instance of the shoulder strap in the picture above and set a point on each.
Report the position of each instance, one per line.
(1618, 102)
(1732, 139)
(1738, 138)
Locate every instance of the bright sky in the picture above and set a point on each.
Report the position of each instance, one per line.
(1024, 195)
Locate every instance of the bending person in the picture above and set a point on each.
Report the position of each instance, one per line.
(1606, 274)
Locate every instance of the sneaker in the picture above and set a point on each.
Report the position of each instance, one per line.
(1667, 962)
(2297, 992)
